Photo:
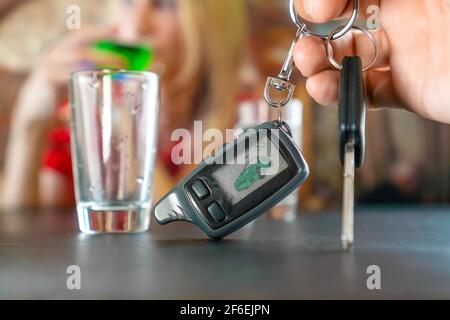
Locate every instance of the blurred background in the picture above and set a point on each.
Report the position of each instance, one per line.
(407, 160)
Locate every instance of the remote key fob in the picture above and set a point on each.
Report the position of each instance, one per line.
(242, 181)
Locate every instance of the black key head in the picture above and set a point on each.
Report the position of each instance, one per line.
(352, 109)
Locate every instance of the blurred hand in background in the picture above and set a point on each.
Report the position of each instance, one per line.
(48, 80)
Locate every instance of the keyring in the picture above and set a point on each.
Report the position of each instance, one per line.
(298, 20)
(330, 53)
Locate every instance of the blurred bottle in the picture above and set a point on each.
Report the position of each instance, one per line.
(250, 114)
(287, 210)
(137, 57)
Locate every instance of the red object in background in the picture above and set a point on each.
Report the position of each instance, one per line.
(249, 95)
(165, 155)
(57, 155)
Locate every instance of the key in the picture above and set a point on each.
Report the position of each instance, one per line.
(352, 115)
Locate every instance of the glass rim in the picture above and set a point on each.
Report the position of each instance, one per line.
(103, 72)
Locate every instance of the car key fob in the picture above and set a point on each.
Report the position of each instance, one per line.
(242, 181)
(352, 109)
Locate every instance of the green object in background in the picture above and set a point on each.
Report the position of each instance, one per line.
(137, 57)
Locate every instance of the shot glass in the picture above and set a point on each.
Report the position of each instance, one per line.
(114, 131)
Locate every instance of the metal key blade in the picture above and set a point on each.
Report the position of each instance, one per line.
(348, 198)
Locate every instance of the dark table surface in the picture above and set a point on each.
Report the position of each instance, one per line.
(267, 260)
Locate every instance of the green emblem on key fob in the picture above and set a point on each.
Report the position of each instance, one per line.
(251, 174)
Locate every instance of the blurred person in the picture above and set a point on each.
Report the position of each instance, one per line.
(199, 55)
(412, 70)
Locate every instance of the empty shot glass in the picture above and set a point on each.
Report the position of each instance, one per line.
(114, 131)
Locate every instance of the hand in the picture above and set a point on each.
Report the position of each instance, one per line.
(74, 53)
(52, 71)
(413, 67)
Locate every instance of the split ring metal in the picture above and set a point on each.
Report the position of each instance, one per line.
(300, 22)
(330, 49)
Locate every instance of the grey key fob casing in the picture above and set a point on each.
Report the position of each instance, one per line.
(199, 198)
